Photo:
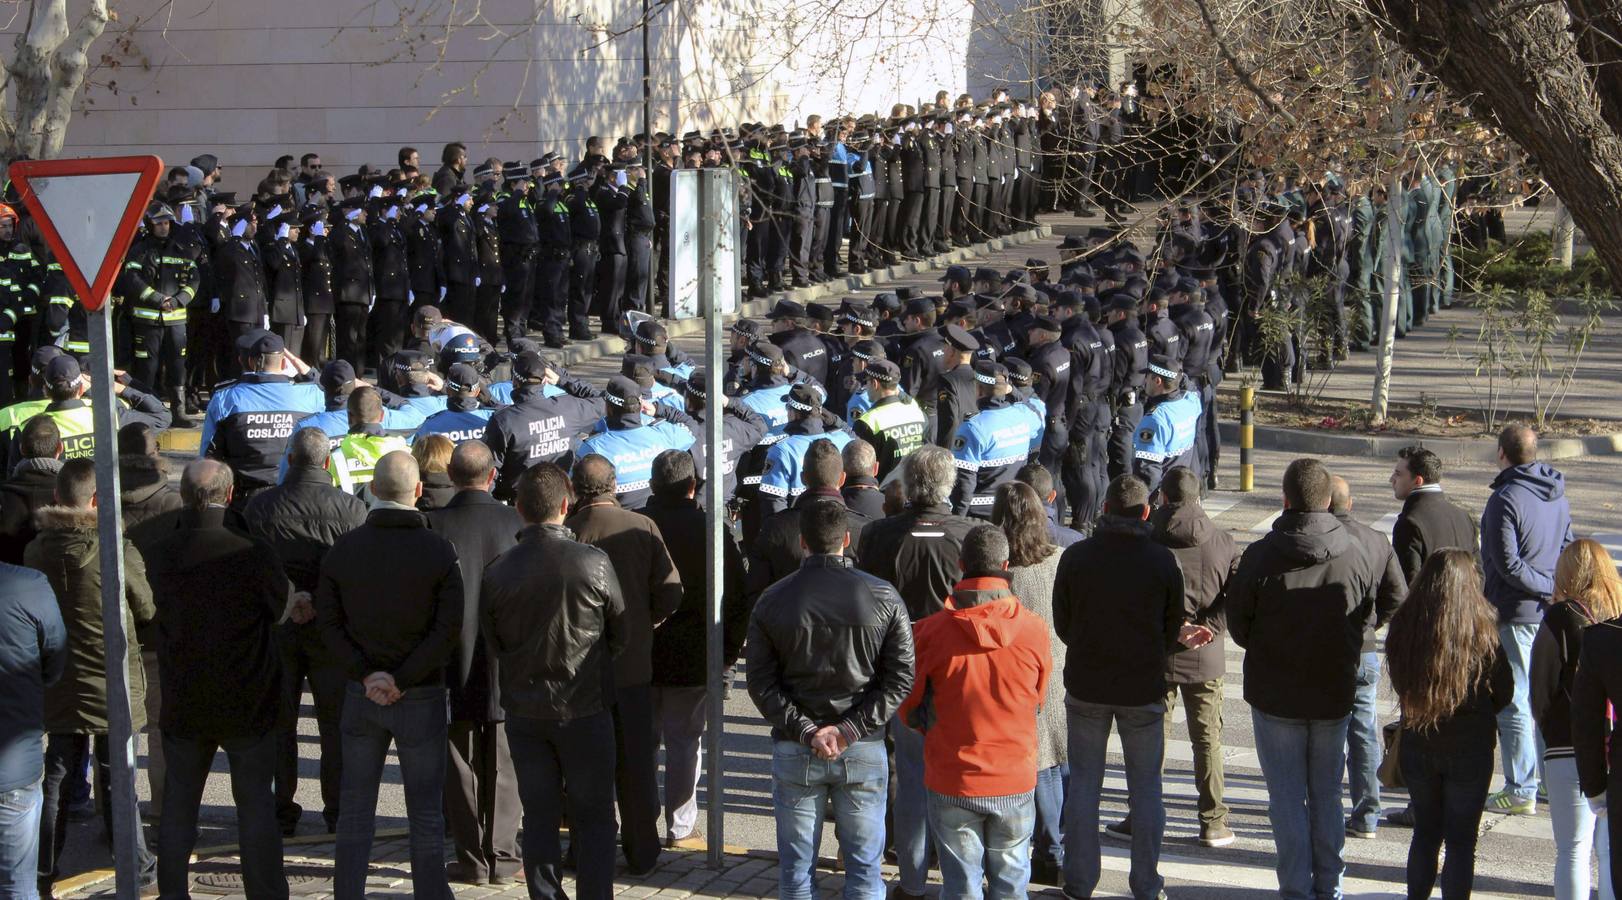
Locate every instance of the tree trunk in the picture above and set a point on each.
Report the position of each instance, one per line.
(1391, 295)
(1564, 234)
(46, 70)
(1520, 67)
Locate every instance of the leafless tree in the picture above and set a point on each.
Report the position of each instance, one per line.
(48, 65)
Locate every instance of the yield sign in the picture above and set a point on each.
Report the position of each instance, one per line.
(88, 210)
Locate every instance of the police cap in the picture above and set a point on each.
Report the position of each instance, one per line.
(765, 353)
(1046, 323)
(312, 212)
(819, 312)
(267, 343)
(524, 345)
(696, 385)
(860, 315)
(749, 328)
(462, 378)
(1119, 301)
(428, 315)
(1019, 371)
(63, 370)
(887, 302)
(42, 358)
(961, 308)
(335, 375)
(986, 273)
(883, 371)
(1024, 292)
(530, 366)
(919, 306)
(960, 274)
(805, 398)
(1014, 276)
(514, 171)
(160, 212)
(1162, 365)
(868, 350)
(959, 337)
(623, 393)
(1068, 300)
(990, 373)
(786, 309)
(1072, 242)
(638, 368)
(906, 292)
(483, 169)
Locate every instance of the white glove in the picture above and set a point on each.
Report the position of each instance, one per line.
(620, 178)
(281, 231)
(442, 294)
(240, 228)
(393, 213)
(411, 296)
(1597, 805)
(274, 212)
(264, 322)
(214, 305)
(302, 320)
(375, 192)
(477, 280)
(318, 228)
(186, 215)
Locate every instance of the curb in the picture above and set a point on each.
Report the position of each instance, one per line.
(586, 351)
(1452, 450)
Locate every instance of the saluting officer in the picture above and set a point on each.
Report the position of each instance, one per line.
(1165, 437)
(352, 287)
(989, 448)
(894, 424)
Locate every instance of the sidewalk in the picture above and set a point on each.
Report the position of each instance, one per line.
(680, 874)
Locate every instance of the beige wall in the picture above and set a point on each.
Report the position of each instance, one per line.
(250, 80)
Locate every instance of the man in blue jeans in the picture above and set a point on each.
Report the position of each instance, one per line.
(554, 616)
(1364, 743)
(389, 606)
(1299, 604)
(33, 653)
(1119, 607)
(830, 660)
(1524, 526)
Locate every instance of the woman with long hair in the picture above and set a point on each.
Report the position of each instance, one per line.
(1587, 592)
(1451, 678)
(1033, 565)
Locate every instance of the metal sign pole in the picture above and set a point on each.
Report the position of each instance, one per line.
(711, 225)
(110, 536)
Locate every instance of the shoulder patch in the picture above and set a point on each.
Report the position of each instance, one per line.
(1146, 435)
(958, 442)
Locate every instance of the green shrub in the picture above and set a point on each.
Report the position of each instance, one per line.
(1526, 265)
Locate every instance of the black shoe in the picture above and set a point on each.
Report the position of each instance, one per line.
(1401, 818)
(581, 334)
(1121, 831)
(456, 872)
(554, 343)
(801, 283)
(178, 418)
(858, 269)
(896, 893)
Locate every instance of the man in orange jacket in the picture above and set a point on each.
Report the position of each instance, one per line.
(981, 671)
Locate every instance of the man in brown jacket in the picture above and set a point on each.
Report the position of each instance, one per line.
(68, 552)
(652, 590)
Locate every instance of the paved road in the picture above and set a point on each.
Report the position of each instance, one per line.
(1515, 854)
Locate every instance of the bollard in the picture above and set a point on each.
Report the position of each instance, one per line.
(1247, 438)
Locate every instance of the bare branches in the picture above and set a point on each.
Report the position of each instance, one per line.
(1245, 75)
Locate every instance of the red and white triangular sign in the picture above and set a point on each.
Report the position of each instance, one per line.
(88, 211)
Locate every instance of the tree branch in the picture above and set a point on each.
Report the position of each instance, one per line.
(1245, 75)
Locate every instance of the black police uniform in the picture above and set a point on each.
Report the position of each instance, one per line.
(520, 243)
(353, 290)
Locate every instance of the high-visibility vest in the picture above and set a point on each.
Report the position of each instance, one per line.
(354, 462)
(78, 431)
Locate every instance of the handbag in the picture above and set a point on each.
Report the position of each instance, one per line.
(1390, 771)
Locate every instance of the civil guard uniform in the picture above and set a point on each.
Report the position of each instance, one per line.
(1165, 437)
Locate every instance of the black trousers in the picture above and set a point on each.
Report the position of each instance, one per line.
(482, 804)
(890, 226)
(838, 222)
(799, 255)
(638, 270)
(582, 286)
(386, 329)
(487, 309)
(518, 272)
(551, 297)
(1122, 429)
(1445, 793)
(821, 222)
(313, 350)
(755, 238)
(565, 766)
(160, 352)
(351, 334)
(64, 755)
(292, 335)
(253, 767)
(926, 225)
(911, 220)
(861, 214)
(636, 785)
(610, 287)
(304, 659)
(943, 236)
(458, 303)
(779, 237)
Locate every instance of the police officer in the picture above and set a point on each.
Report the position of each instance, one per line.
(1130, 361)
(1083, 468)
(780, 480)
(520, 238)
(741, 429)
(459, 255)
(652, 340)
(464, 418)
(316, 270)
(65, 386)
(556, 248)
(990, 447)
(249, 420)
(1022, 392)
(922, 352)
(337, 381)
(1165, 338)
(490, 282)
(354, 461)
(957, 398)
(802, 348)
(1171, 418)
(284, 279)
(351, 281)
(863, 354)
(391, 283)
(894, 424)
(630, 439)
(239, 278)
(537, 427)
(641, 223)
(1201, 373)
(425, 261)
(1051, 365)
(585, 248)
(765, 374)
(611, 192)
(161, 277)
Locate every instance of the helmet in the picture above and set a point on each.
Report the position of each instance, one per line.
(6, 212)
(464, 348)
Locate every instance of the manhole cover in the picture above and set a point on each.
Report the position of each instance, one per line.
(232, 881)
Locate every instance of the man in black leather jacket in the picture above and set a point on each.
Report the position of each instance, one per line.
(551, 614)
(830, 660)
